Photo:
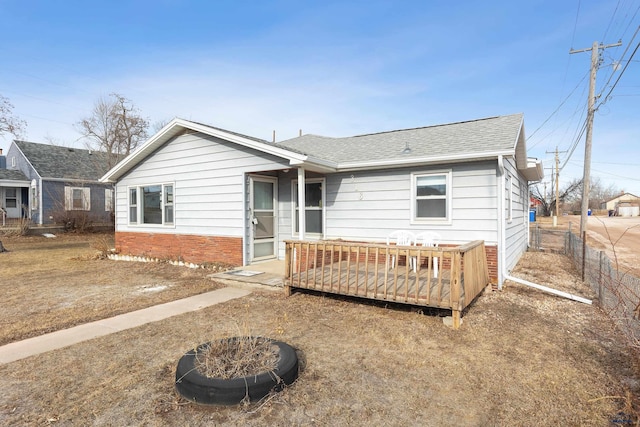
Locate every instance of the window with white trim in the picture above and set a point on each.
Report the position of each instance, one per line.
(77, 199)
(151, 204)
(509, 201)
(11, 197)
(314, 206)
(133, 205)
(431, 196)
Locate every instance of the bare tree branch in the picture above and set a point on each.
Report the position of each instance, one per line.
(8, 122)
(115, 127)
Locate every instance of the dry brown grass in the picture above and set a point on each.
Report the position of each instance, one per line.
(51, 284)
(521, 358)
(236, 357)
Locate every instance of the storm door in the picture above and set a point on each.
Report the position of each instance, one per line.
(12, 202)
(263, 218)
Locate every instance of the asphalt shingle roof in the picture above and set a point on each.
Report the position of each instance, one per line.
(12, 175)
(52, 161)
(492, 134)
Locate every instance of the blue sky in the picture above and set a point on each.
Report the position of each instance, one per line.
(334, 68)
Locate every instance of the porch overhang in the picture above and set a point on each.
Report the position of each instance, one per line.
(12, 183)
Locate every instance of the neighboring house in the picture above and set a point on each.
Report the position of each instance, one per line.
(625, 204)
(51, 183)
(14, 187)
(203, 194)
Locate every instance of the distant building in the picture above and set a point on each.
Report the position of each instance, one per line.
(625, 204)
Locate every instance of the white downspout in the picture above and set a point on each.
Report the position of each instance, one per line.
(503, 274)
(502, 241)
(548, 289)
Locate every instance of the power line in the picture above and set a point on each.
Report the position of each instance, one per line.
(558, 108)
(620, 75)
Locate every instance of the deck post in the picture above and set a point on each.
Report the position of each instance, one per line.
(287, 269)
(455, 294)
(455, 314)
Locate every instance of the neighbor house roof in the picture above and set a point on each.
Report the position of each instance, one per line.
(56, 162)
(14, 178)
(455, 142)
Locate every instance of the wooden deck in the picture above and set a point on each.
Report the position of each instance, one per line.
(368, 271)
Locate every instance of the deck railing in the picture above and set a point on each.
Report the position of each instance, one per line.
(402, 274)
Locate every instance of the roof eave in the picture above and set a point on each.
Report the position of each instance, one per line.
(534, 171)
(420, 161)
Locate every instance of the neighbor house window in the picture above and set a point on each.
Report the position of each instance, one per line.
(77, 199)
(431, 196)
(11, 198)
(313, 211)
(151, 204)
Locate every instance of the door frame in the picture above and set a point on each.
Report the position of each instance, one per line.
(273, 180)
(13, 212)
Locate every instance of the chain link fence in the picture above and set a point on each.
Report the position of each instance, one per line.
(617, 289)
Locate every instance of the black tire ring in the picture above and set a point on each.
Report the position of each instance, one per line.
(198, 388)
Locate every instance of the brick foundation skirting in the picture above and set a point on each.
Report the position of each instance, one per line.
(184, 247)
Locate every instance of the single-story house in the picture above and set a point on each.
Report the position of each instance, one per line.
(624, 204)
(203, 194)
(48, 183)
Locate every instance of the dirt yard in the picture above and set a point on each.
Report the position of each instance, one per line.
(619, 237)
(520, 358)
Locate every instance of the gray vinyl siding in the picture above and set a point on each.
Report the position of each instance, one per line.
(367, 206)
(516, 233)
(53, 200)
(208, 175)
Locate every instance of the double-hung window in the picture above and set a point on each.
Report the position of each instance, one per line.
(77, 199)
(431, 196)
(313, 209)
(151, 204)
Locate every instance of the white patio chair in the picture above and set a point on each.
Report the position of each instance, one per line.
(400, 238)
(429, 239)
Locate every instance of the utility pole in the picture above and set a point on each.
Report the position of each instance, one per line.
(557, 177)
(586, 177)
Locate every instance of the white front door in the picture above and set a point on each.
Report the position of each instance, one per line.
(12, 202)
(263, 217)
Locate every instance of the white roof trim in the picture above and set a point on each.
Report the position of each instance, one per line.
(415, 161)
(14, 183)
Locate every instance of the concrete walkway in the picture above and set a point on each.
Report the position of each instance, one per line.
(66, 337)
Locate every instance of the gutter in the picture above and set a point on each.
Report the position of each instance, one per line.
(548, 289)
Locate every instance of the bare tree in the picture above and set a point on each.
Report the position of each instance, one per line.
(548, 201)
(115, 127)
(8, 122)
(157, 126)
